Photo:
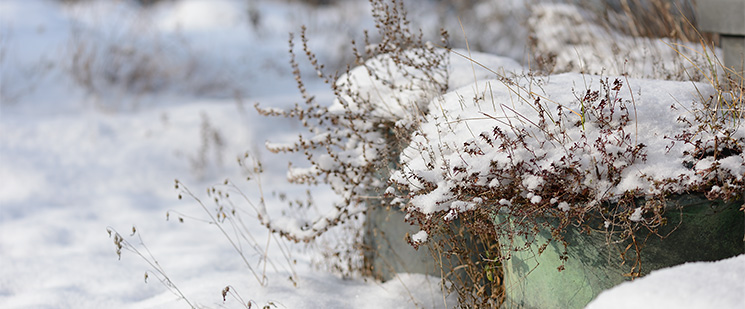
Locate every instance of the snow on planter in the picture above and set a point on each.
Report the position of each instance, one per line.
(570, 140)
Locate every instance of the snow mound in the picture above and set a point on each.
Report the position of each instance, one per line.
(691, 285)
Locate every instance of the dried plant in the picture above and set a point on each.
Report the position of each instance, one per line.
(110, 64)
(354, 142)
(601, 39)
(652, 18)
(212, 141)
(233, 222)
(120, 243)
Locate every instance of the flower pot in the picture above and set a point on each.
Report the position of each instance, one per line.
(697, 230)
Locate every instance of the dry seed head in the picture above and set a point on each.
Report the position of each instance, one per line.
(225, 293)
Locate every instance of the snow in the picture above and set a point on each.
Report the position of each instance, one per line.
(401, 94)
(654, 108)
(76, 159)
(636, 216)
(419, 237)
(691, 285)
(202, 16)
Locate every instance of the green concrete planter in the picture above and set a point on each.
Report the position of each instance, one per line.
(386, 250)
(710, 230)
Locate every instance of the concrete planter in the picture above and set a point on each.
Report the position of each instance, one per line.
(710, 230)
(386, 250)
(726, 17)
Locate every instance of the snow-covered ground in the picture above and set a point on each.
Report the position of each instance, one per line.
(691, 285)
(103, 105)
(79, 156)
